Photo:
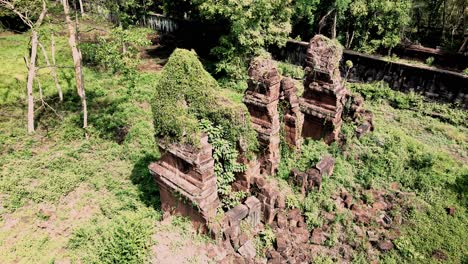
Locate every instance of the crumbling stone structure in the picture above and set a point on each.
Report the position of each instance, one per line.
(261, 99)
(324, 95)
(293, 117)
(362, 117)
(312, 179)
(187, 182)
(185, 173)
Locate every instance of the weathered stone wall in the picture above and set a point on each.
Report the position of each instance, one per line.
(324, 95)
(293, 117)
(261, 99)
(187, 181)
(435, 84)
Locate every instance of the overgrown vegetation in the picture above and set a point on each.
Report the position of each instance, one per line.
(226, 165)
(186, 94)
(67, 198)
(422, 154)
(118, 51)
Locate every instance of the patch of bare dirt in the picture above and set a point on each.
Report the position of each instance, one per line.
(75, 208)
(149, 65)
(175, 246)
(54, 221)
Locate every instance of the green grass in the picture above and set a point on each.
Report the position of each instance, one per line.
(105, 204)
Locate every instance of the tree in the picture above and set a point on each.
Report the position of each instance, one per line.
(253, 25)
(373, 24)
(77, 62)
(23, 14)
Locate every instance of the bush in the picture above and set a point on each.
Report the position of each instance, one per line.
(117, 52)
(430, 61)
(127, 239)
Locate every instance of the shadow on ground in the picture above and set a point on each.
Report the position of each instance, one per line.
(141, 177)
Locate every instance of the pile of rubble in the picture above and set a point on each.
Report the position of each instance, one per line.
(312, 179)
(362, 117)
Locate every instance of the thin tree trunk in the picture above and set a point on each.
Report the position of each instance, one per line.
(333, 36)
(31, 64)
(30, 82)
(443, 20)
(57, 84)
(53, 72)
(81, 8)
(76, 62)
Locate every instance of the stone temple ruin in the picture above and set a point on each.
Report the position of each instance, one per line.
(324, 95)
(186, 177)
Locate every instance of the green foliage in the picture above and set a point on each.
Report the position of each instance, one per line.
(375, 23)
(465, 72)
(382, 92)
(126, 239)
(226, 166)
(117, 52)
(290, 70)
(253, 26)
(106, 183)
(311, 152)
(11, 21)
(305, 11)
(265, 240)
(429, 61)
(127, 13)
(186, 94)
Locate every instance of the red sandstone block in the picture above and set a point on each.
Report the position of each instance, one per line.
(269, 214)
(236, 214)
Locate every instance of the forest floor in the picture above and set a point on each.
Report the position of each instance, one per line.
(67, 199)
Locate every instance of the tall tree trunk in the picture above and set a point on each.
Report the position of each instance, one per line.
(30, 82)
(333, 35)
(81, 8)
(76, 62)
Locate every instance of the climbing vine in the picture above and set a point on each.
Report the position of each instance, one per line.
(226, 166)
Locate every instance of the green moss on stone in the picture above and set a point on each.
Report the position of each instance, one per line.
(187, 93)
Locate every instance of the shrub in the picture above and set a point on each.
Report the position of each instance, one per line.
(127, 239)
(430, 61)
(117, 52)
(291, 70)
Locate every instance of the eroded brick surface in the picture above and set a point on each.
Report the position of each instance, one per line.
(261, 99)
(324, 95)
(293, 117)
(186, 180)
